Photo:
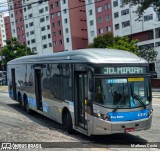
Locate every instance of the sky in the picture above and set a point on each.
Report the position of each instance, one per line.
(4, 7)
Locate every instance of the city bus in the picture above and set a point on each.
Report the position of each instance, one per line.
(92, 91)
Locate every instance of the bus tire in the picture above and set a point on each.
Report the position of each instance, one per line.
(26, 106)
(69, 125)
(20, 101)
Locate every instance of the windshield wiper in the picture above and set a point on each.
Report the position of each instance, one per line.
(137, 97)
(115, 109)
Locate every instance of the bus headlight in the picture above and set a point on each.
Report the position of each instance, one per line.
(150, 112)
(101, 115)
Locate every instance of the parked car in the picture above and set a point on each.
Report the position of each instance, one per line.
(153, 74)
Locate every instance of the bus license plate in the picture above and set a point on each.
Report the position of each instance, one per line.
(129, 130)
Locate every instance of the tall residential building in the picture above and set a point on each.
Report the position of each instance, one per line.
(2, 30)
(8, 27)
(99, 18)
(49, 26)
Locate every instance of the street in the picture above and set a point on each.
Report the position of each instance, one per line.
(18, 126)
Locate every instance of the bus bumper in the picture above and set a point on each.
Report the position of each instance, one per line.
(102, 127)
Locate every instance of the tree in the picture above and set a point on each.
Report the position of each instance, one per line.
(109, 41)
(13, 49)
(148, 54)
(143, 5)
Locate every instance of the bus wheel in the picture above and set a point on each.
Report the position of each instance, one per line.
(20, 101)
(69, 125)
(26, 105)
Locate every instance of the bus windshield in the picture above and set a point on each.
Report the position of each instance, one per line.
(122, 92)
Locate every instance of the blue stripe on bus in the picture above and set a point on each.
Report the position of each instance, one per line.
(128, 116)
(32, 101)
(45, 106)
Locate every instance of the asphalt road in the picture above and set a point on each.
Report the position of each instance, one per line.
(18, 126)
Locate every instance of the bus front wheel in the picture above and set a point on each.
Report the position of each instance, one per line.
(69, 125)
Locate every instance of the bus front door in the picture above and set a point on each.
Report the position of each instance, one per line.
(81, 91)
(38, 92)
(13, 84)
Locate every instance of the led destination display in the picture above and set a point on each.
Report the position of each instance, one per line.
(124, 70)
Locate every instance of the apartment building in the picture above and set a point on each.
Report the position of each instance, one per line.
(99, 18)
(7, 27)
(49, 26)
(2, 30)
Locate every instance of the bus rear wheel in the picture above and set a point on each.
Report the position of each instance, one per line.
(20, 101)
(26, 106)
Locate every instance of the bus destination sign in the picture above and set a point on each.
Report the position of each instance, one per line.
(124, 70)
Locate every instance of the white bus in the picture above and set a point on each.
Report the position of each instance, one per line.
(93, 91)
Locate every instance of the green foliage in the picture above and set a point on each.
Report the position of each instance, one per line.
(109, 41)
(13, 49)
(149, 54)
(144, 4)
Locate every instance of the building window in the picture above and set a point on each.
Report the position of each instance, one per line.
(48, 27)
(125, 24)
(44, 46)
(108, 28)
(28, 42)
(66, 30)
(53, 25)
(30, 15)
(32, 32)
(47, 17)
(116, 15)
(49, 36)
(43, 28)
(58, 23)
(54, 43)
(67, 40)
(64, 1)
(107, 17)
(92, 33)
(148, 17)
(27, 34)
(11, 15)
(33, 41)
(42, 20)
(99, 9)
(116, 26)
(54, 34)
(59, 32)
(51, 6)
(30, 24)
(60, 42)
(100, 31)
(41, 10)
(44, 37)
(34, 49)
(26, 25)
(107, 6)
(46, 9)
(91, 12)
(57, 4)
(100, 20)
(50, 44)
(58, 14)
(115, 3)
(65, 11)
(52, 15)
(91, 22)
(65, 21)
(125, 12)
(29, 6)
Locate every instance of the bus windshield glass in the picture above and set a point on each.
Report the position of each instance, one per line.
(122, 92)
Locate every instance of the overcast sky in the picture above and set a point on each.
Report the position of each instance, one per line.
(3, 7)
